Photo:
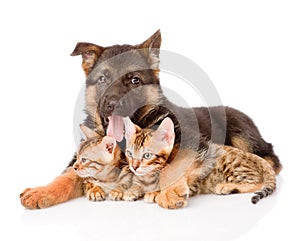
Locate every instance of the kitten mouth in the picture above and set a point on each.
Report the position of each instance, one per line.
(82, 174)
(115, 127)
(139, 172)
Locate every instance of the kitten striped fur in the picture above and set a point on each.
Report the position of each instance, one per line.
(147, 152)
(103, 166)
(218, 169)
(240, 172)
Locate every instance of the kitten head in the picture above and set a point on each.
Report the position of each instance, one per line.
(96, 155)
(147, 150)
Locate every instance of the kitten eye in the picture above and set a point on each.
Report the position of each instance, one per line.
(128, 153)
(83, 160)
(102, 79)
(147, 155)
(135, 80)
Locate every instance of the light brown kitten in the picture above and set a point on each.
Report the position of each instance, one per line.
(233, 171)
(147, 152)
(101, 163)
(240, 172)
(218, 169)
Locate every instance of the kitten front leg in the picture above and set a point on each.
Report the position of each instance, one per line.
(150, 197)
(116, 194)
(125, 181)
(231, 188)
(133, 193)
(94, 192)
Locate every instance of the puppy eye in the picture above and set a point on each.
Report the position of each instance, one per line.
(102, 79)
(147, 155)
(128, 153)
(135, 80)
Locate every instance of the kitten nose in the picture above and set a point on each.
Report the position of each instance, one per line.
(75, 167)
(135, 165)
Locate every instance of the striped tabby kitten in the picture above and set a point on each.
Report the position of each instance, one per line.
(101, 163)
(219, 170)
(232, 171)
(237, 171)
(147, 152)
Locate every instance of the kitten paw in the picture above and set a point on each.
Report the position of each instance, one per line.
(116, 195)
(130, 196)
(226, 188)
(151, 196)
(95, 194)
(35, 198)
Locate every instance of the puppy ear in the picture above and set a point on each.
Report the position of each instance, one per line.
(153, 42)
(130, 128)
(151, 48)
(88, 133)
(165, 131)
(108, 144)
(90, 54)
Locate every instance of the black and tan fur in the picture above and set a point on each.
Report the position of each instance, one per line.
(113, 71)
(119, 64)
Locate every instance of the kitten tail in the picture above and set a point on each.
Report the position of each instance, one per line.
(269, 179)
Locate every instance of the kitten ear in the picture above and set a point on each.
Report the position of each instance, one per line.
(130, 128)
(165, 131)
(90, 54)
(151, 48)
(108, 144)
(88, 133)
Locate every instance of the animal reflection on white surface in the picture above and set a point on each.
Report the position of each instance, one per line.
(210, 217)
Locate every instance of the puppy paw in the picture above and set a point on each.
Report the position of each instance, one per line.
(174, 197)
(36, 198)
(171, 200)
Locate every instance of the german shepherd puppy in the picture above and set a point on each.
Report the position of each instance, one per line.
(123, 80)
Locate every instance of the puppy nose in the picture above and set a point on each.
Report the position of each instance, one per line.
(111, 105)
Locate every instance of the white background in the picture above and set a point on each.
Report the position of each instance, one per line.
(249, 49)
